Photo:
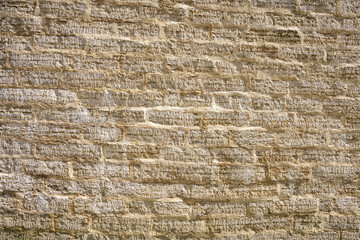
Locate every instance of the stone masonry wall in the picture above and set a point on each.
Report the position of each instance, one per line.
(180, 119)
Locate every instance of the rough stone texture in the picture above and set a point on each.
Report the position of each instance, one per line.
(179, 119)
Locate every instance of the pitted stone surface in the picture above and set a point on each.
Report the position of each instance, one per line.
(179, 119)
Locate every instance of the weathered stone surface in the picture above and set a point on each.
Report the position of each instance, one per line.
(68, 187)
(14, 235)
(341, 205)
(241, 174)
(349, 8)
(350, 72)
(9, 166)
(70, 27)
(140, 207)
(171, 82)
(39, 131)
(200, 16)
(252, 138)
(272, 120)
(129, 152)
(26, 221)
(113, 12)
(302, 205)
(16, 113)
(141, 64)
(352, 156)
(71, 223)
(173, 207)
(324, 235)
(227, 118)
(234, 192)
(125, 81)
(189, 100)
(63, 42)
(86, 62)
(336, 172)
(17, 7)
(74, 115)
(320, 188)
(14, 43)
(321, 88)
(48, 168)
(11, 147)
(205, 209)
(46, 204)
(331, 23)
(347, 55)
(50, 60)
(49, 96)
(220, 84)
(97, 98)
(274, 4)
(320, 155)
(127, 116)
(278, 35)
(37, 78)
(196, 155)
(156, 135)
(99, 206)
(186, 32)
(114, 45)
(318, 38)
(233, 155)
(122, 224)
(290, 138)
(298, 104)
(103, 134)
(289, 173)
(277, 155)
(165, 13)
(179, 119)
(171, 47)
(268, 104)
(174, 118)
(192, 65)
(236, 224)
(177, 226)
(78, 79)
(349, 235)
(327, 6)
(143, 190)
(96, 170)
(208, 138)
(200, 174)
(68, 150)
(243, 19)
(62, 9)
(21, 25)
(343, 223)
(317, 122)
(138, 30)
(337, 106)
(270, 86)
(6, 77)
(307, 223)
(349, 140)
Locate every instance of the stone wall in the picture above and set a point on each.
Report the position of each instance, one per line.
(180, 119)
